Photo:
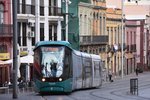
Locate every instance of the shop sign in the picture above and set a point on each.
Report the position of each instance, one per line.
(4, 56)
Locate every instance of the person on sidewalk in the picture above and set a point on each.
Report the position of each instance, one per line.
(137, 71)
(110, 76)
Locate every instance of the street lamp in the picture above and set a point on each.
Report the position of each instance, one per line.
(122, 63)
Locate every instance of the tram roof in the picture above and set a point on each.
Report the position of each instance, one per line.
(94, 56)
(45, 43)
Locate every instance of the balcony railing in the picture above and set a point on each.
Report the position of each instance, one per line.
(55, 11)
(30, 9)
(88, 40)
(6, 30)
(133, 48)
(26, 9)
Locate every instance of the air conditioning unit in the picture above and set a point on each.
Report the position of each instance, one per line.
(23, 48)
(30, 24)
(30, 34)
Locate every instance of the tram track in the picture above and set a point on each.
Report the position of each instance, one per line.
(119, 93)
(100, 97)
(109, 91)
(123, 95)
(126, 95)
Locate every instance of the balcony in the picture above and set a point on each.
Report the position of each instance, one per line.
(30, 9)
(6, 30)
(133, 48)
(26, 9)
(120, 47)
(55, 11)
(93, 40)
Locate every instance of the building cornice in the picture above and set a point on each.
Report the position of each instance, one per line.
(86, 5)
(91, 6)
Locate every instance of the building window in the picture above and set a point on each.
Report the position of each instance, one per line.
(94, 15)
(1, 13)
(24, 30)
(53, 7)
(41, 31)
(33, 38)
(23, 6)
(3, 48)
(19, 35)
(42, 7)
(33, 7)
(52, 31)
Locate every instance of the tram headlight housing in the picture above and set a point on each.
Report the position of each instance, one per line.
(60, 79)
(43, 79)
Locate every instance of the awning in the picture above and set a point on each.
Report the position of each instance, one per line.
(128, 55)
(24, 59)
(3, 62)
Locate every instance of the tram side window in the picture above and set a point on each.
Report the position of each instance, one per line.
(87, 67)
(36, 63)
(67, 63)
(100, 68)
(96, 69)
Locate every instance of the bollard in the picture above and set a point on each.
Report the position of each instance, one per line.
(134, 86)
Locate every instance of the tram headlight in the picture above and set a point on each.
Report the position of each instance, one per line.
(43, 79)
(60, 79)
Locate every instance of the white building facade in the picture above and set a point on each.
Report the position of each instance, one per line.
(38, 20)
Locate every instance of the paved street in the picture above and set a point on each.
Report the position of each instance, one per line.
(117, 90)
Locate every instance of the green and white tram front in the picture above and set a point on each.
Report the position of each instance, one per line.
(53, 69)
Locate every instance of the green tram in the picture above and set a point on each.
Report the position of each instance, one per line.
(60, 68)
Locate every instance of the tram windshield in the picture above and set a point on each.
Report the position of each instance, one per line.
(52, 61)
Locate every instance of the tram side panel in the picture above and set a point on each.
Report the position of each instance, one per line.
(97, 74)
(77, 70)
(97, 77)
(101, 76)
(87, 71)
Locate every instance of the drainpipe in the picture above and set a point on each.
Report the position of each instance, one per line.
(37, 27)
(66, 2)
(141, 44)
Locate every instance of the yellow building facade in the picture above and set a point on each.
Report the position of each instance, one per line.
(100, 31)
(114, 31)
(92, 29)
(92, 26)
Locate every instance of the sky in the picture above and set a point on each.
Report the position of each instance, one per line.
(129, 9)
(113, 3)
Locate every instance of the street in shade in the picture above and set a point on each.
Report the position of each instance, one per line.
(117, 90)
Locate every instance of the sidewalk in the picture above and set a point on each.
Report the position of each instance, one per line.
(21, 96)
(142, 92)
(145, 93)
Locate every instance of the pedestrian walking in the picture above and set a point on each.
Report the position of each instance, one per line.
(110, 76)
(137, 71)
